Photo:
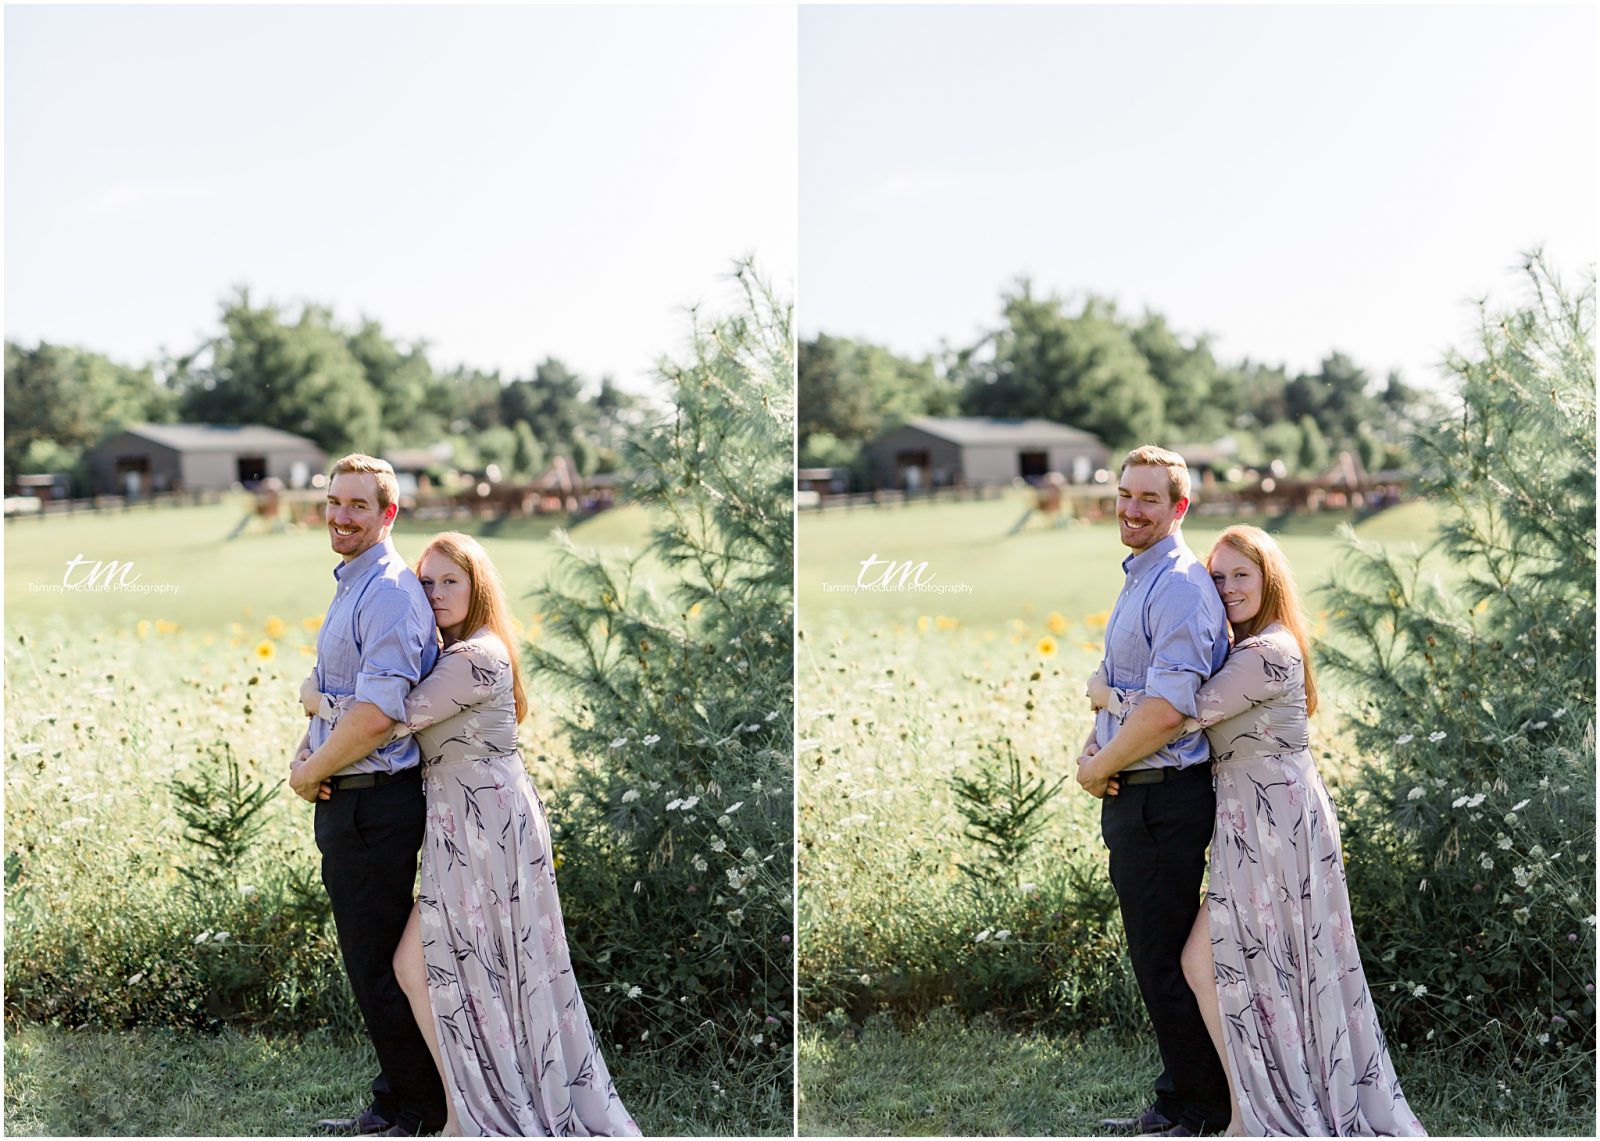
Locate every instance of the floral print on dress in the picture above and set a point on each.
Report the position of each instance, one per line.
(1307, 1056)
(520, 1057)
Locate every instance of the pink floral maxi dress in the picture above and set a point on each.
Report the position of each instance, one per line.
(1305, 1051)
(520, 1057)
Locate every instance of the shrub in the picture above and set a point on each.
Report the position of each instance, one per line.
(1471, 846)
(675, 839)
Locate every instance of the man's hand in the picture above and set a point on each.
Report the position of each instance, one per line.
(303, 789)
(1097, 691)
(1089, 776)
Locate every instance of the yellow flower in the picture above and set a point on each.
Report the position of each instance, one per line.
(1046, 647)
(559, 860)
(946, 623)
(165, 627)
(1057, 622)
(694, 610)
(143, 627)
(1097, 621)
(312, 624)
(274, 627)
(1093, 647)
(924, 624)
(236, 629)
(265, 650)
(305, 649)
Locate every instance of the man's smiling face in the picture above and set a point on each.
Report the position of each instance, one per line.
(1146, 513)
(355, 521)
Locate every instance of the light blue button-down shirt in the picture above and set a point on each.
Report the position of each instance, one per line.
(377, 640)
(1168, 633)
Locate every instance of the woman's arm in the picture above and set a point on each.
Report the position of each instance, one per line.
(464, 677)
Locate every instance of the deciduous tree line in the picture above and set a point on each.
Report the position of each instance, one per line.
(345, 387)
(1127, 380)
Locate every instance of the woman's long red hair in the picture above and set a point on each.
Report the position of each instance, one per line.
(486, 600)
(1280, 600)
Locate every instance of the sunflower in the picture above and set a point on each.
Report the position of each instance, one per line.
(265, 650)
(1046, 647)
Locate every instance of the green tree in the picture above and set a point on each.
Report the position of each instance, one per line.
(61, 401)
(299, 376)
(1472, 827)
(1083, 370)
(1312, 457)
(680, 830)
(1200, 401)
(852, 391)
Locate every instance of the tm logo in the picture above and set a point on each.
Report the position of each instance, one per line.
(895, 576)
(99, 575)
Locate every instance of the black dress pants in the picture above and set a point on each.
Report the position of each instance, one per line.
(1157, 835)
(369, 839)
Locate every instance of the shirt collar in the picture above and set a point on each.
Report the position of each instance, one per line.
(366, 560)
(1154, 554)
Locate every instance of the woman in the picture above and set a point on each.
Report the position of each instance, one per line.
(1272, 957)
(484, 958)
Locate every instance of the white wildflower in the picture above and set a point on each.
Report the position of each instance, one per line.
(1543, 1039)
(1435, 738)
(1002, 934)
(719, 845)
(773, 716)
(1418, 991)
(1456, 803)
(618, 742)
(136, 979)
(652, 738)
(735, 806)
(757, 1039)
(631, 795)
(690, 803)
(1520, 805)
(1416, 793)
(1403, 739)
(736, 916)
(1486, 863)
(202, 937)
(982, 935)
(1559, 714)
(699, 863)
(247, 889)
(724, 820)
(674, 803)
(635, 992)
(1503, 842)
(220, 937)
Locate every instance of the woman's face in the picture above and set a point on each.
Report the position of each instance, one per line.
(448, 590)
(1238, 582)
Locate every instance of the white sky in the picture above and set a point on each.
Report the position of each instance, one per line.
(505, 183)
(1292, 180)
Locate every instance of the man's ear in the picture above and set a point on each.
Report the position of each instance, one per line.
(390, 513)
(1182, 508)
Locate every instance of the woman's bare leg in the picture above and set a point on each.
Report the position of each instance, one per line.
(1200, 969)
(412, 972)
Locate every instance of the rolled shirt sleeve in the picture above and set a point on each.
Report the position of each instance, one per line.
(393, 640)
(1183, 636)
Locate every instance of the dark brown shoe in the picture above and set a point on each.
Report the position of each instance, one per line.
(365, 1123)
(1150, 1121)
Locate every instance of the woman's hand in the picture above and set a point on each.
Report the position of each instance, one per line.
(1098, 692)
(310, 695)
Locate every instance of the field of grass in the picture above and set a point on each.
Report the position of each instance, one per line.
(903, 949)
(954, 1077)
(1073, 569)
(262, 572)
(249, 1085)
(111, 695)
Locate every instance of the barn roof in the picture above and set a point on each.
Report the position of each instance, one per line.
(221, 437)
(969, 431)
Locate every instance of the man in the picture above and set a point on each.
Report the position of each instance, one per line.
(1167, 634)
(376, 642)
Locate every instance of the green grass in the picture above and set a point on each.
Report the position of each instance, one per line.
(160, 1083)
(260, 573)
(1074, 569)
(948, 1077)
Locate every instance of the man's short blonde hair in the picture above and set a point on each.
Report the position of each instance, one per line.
(358, 464)
(1149, 455)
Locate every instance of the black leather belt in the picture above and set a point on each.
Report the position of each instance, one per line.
(372, 780)
(1161, 775)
